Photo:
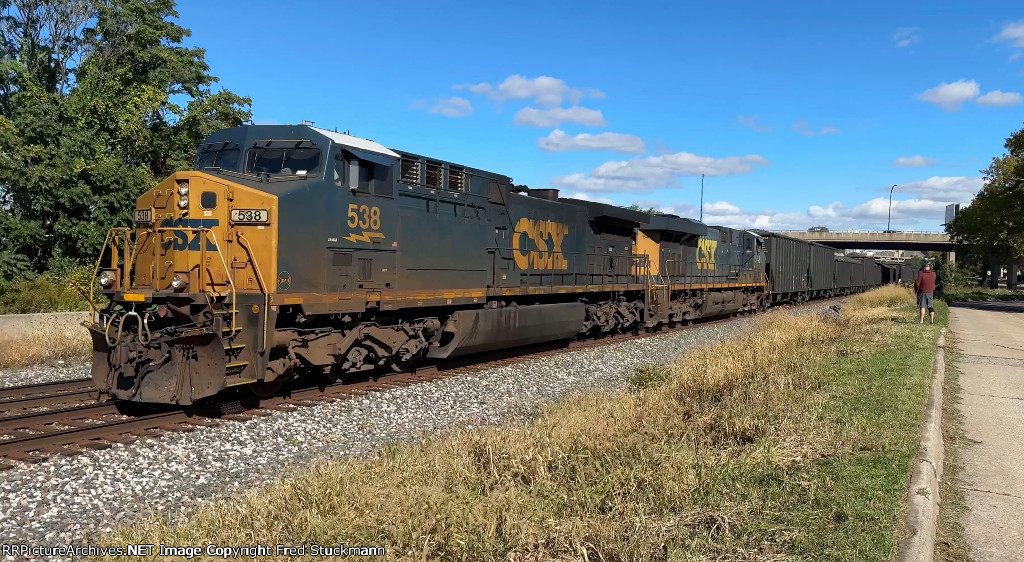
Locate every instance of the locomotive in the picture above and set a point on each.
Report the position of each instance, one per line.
(292, 248)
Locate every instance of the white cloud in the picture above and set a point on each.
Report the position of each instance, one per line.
(926, 209)
(558, 141)
(951, 96)
(805, 129)
(531, 116)
(452, 107)
(587, 197)
(904, 36)
(997, 98)
(544, 91)
(752, 123)
(913, 210)
(1012, 33)
(957, 189)
(723, 213)
(721, 208)
(650, 172)
(916, 161)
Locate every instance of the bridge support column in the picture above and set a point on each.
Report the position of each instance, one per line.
(951, 257)
(993, 279)
(1011, 276)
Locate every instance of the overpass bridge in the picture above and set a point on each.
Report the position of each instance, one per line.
(893, 240)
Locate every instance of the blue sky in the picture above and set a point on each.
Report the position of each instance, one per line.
(798, 116)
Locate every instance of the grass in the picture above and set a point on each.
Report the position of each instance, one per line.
(951, 540)
(790, 441)
(47, 340)
(972, 294)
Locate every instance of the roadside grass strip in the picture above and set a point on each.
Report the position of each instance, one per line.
(981, 294)
(791, 441)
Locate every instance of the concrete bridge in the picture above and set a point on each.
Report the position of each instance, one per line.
(903, 240)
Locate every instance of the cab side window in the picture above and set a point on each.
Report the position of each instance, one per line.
(363, 176)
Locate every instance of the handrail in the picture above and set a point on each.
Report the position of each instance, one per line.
(227, 273)
(244, 243)
(132, 252)
(96, 271)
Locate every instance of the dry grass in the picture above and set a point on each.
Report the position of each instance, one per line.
(47, 340)
(791, 441)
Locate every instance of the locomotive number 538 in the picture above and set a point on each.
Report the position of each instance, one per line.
(363, 216)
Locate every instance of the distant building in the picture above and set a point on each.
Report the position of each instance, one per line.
(818, 229)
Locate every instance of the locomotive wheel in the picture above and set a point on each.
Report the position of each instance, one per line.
(399, 365)
(266, 389)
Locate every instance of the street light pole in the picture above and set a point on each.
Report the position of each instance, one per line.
(888, 227)
(702, 198)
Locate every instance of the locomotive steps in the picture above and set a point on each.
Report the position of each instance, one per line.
(791, 440)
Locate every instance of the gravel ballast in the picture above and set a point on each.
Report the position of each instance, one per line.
(38, 374)
(66, 500)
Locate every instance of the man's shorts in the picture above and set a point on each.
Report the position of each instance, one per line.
(924, 300)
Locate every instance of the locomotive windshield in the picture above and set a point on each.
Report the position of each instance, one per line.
(280, 157)
(219, 155)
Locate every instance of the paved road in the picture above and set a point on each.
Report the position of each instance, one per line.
(991, 339)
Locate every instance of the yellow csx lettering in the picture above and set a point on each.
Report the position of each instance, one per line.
(539, 232)
(706, 253)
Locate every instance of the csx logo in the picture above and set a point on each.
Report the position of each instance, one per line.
(184, 240)
(706, 253)
(539, 233)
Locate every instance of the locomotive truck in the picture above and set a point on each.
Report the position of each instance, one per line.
(292, 248)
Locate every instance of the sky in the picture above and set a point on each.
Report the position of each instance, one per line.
(798, 115)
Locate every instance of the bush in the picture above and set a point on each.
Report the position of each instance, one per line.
(60, 289)
(950, 275)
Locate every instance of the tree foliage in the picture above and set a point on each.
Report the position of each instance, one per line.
(994, 222)
(98, 100)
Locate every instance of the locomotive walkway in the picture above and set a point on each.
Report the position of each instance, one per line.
(991, 339)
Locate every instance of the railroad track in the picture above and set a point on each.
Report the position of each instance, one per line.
(33, 436)
(22, 399)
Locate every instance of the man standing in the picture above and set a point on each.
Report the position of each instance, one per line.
(925, 289)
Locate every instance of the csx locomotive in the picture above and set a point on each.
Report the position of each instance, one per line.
(292, 248)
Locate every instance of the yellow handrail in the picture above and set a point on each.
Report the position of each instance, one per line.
(227, 273)
(263, 287)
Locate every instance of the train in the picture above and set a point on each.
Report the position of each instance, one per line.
(292, 249)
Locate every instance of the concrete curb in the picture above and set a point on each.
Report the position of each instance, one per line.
(922, 516)
(13, 324)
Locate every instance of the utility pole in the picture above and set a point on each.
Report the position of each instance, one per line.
(888, 227)
(702, 198)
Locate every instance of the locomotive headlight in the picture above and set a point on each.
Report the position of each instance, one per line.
(183, 188)
(179, 282)
(183, 202)
(107, 279)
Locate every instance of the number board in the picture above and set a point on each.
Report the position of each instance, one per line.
(254, 216)
(143, 215)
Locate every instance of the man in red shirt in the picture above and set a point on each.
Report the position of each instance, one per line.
(925, 289)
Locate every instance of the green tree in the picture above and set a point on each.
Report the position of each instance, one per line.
(994, 221)
(98, 100)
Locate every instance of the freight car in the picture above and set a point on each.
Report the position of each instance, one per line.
(294, 248)
(798, 270)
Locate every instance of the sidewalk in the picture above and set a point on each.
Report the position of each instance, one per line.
(991, 340)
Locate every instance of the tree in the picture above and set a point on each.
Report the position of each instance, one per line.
(98, 100)
(994, 221)
(648, 210)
